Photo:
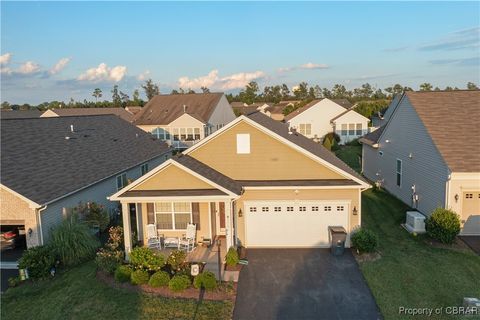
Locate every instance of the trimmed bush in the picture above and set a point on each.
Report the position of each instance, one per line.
(364, 240)
(38, 261)
(72, 242)
(327, 144)
(443, 225)
(179, 283)
(139, 277)
(123, 273)
(142, 258)
(159, 279)
(206, 279)
(176, 259)
(232, 257)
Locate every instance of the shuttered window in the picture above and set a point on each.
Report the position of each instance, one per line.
(222, 214)
(196, 214)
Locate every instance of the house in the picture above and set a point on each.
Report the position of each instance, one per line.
(246, 109)
(64, 112)
(19, 114)
(276, 111)
(381, 119)
(182, 120)
(252, 183)
(322, 116)
(50, 165)
(133, 109)
(428, 153)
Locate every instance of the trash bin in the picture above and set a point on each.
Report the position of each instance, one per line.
(338, 236)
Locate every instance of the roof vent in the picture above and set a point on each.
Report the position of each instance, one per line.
(71, 128)
(184, 108)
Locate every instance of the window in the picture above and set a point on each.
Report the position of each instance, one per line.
(173, 215)
(183, 134)
(197, 133)
(344, 129)
(399, 172)
(469, 195)
(277, 209)
(351, 129)
(359, 129)
(289, 209)
(265, 209)
(302, 209)
(243, 143)
(161, 133)
(327, 208)
(305, 129)
(315, 208)
(176, 134)
(190, 134)
(253, 209)
(340, 208)
(122, 180)
(144, 168)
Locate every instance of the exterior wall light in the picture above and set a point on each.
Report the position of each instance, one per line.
(355, 211)
(456, 197)
(240, 213)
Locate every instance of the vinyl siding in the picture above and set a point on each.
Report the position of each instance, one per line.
(426, 169)
(222, 114)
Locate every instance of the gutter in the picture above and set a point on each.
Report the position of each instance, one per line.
(39, 218)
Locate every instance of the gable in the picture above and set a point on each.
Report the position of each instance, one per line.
(269, 158)
(350, 117)
(322, 111)
(49, 113)
(186, 120)
(172, 178)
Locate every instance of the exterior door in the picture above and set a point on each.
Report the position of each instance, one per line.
(471, 213)
(221, 218)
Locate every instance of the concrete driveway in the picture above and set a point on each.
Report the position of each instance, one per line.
(303, 284)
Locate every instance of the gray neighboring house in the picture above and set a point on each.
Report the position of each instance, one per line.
(49, 165)
(381, 120)
(428, 153)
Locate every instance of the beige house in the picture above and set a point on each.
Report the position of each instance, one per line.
(182, 120)
(74, 112)
(253, 183)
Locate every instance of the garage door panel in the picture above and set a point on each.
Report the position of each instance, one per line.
(471, 213)
(303, 224)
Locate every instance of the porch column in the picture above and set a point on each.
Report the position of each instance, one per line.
(127, 229)
(228, 223)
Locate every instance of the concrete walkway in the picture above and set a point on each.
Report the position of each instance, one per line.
(473, 242)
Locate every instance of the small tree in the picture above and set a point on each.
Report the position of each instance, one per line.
(97, 93)
(151, 89)
(327, 144)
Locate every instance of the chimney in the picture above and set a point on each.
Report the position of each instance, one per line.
(71, 128)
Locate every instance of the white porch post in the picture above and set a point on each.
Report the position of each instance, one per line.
(127, 229)
(228, 223)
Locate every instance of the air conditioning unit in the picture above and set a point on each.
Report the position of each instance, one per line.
(415, 222)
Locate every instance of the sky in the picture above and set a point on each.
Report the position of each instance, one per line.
(62, 50)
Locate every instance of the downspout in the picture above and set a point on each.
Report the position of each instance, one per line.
(447, 191)
(39, 211)
(234, 231)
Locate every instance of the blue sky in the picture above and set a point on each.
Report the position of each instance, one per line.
(59, 50)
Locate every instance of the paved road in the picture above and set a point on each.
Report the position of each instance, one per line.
(303, 284)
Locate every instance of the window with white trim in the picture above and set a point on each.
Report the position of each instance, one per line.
(253, 209)
(173, 215)
(469, 196)
(315, 208)
(399, 172)
(144, 168)
(122, 180)
(351, 129)
(302, 209)
(243, 143)
(277, 209)
(344, 131)
(289, 209)
(340, 208)
(359, 129)
(305, 129)
(265, 209)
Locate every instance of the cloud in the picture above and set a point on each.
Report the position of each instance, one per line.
(5, 58)
(305, 66)
(212, 80)
(144, 75)
(463, 62)
(59, 66)
(29, 67)
(458, 40)
(6, 70)
(103, 73)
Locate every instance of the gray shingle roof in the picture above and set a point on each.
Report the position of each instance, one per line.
(309, 145)
(165, 108)
(20, 114)
(372, 137)
(121, 112)
(38, 162)
(209, 173)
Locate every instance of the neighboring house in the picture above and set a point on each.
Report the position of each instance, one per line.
(20, 114)
(133, 109)
(428, 153)
(182, 120)
(253, 183)
(320, 117)
(381, 119)
(50, 165)
(276, 111)
(65, 112)
(246, 109)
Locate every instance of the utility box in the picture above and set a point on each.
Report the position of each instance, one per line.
(338, 236)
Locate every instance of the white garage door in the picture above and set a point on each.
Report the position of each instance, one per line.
(293, 224)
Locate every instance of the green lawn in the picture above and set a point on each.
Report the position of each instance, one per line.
(77, 294)
(410, 272)
(351, 155)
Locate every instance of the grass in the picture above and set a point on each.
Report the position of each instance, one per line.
(410, 272)
(351, 155)
(77, 294)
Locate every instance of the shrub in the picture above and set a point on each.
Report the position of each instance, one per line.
(159, 279)
(109, 260)
(364, 240)
(115, 238)
(13, 281)
(179, 283)
(205, 279)
(139, 277)
(232, 257)
(93, 214)
(443, 225)
(327, 144)
(176, 259)
(72, 242)
(38, 260)
(333, 137)
(123, 273)
(146, 259)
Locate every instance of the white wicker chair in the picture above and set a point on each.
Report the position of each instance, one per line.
(153, 241)
(188, 241)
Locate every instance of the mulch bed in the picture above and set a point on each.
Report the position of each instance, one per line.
(456, 245)
(222, 293)
(366, 257)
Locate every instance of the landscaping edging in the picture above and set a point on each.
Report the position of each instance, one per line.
(220, 294)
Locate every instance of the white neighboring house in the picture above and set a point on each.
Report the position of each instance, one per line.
(320, 117)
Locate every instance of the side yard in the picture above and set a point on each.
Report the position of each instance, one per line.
(77, 294)
(410, 272)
